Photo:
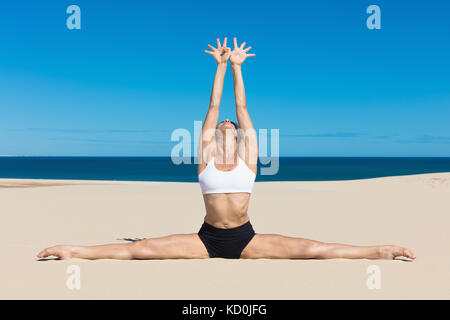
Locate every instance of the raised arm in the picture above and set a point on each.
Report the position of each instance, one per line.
(250, 141)
(207, 143)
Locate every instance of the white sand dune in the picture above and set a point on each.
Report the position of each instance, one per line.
(411, 211)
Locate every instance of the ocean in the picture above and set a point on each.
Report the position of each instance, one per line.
(163, 169)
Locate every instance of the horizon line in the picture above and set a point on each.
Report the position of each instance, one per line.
(161, 156)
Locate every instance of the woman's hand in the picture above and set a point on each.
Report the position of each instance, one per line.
(239, 54)
(221, 53)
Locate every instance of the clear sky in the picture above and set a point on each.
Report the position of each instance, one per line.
(136, 71)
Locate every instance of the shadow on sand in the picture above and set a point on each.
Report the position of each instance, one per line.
(131, 239)
(47, 259)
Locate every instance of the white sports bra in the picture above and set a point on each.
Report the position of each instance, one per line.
(240, 179)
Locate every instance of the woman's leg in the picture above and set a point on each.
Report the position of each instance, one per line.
(178, 246)
(274, 246)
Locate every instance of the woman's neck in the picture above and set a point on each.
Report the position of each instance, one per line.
(226, 158)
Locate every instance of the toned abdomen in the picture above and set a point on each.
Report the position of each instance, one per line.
(226, 210)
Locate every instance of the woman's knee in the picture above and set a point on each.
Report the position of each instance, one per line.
(140, 249)
(312, 249)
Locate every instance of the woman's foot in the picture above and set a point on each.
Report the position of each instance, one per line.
(391, 252)
(62, 252)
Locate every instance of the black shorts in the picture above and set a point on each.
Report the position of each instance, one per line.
(226, 243)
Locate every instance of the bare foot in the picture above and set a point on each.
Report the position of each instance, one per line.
(62, 252)
(391, 252)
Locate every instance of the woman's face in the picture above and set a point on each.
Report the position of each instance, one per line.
(227, 124)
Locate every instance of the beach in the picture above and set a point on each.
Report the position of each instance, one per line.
(411, 211)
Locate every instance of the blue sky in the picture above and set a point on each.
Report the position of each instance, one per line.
(136, 71)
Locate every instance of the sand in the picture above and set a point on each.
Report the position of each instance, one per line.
(411, 211)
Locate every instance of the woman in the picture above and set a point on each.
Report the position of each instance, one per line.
(226, 173)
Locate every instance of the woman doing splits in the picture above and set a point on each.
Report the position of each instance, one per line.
(227, 169)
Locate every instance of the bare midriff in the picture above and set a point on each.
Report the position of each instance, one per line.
(226, 210)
